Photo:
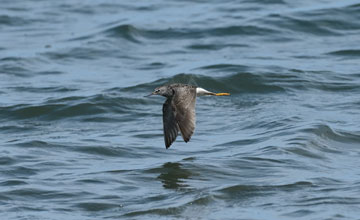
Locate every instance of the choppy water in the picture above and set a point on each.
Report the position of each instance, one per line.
(79, 141)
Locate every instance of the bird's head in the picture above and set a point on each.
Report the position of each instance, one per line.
(162, 90)
(166, 91)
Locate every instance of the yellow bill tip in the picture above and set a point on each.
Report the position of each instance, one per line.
(223, 93)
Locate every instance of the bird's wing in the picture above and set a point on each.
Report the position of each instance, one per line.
(170, 126)
(184, 104)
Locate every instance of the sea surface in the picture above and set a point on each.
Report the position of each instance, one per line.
(78, 139)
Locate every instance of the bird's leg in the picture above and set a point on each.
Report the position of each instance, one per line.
(222, 93)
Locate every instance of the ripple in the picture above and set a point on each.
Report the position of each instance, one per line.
(243, 142)
(346, 53)
(246, 191)
(34, 193)
(330, 200)
(214, 46)
(14, 20)
(327, 133)
(314, 142)
(299, 213)
(331, 21)
(96, 206)
(160, 211)
(38, 144)
(88, 108)
(229, 68)
(235, 84)
(106, 151)
(20, 171)
(12, 183)
(11, 70)
(299, 25)
(42, 89)
(133, 34)
(252, 82)
(82, 53)
(7, 161)
(301, 151)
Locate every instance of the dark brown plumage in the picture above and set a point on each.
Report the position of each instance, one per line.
(179, 113)
(179, 110)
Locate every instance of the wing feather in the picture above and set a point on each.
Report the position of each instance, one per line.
(171, 129)
(183, 102)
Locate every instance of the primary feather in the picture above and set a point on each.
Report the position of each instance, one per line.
(179, 113)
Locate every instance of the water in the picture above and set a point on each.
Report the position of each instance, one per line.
(79, 140)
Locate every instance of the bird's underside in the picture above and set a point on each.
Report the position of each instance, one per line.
(179, 113)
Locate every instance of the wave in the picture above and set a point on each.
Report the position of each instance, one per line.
(49, 89)
(298, 24)
(96, 206)
(14, 20)
(124, 100)
(11, 70)
(85, 108)
(82, 53)
(236, 83)
(246, 191)
(346, 53)
(217, 46)
(127, 32)
(136, 34)
(244, 82)
(23, 67)
(313, 142)
(333, 20)
(327, 133)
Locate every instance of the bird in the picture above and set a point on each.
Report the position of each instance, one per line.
(179, 109)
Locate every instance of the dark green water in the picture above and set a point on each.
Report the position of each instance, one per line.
(79, 141)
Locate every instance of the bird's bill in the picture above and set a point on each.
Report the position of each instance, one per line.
(222, 94)
(149, 94)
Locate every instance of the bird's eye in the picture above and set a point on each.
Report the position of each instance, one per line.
(158, 90)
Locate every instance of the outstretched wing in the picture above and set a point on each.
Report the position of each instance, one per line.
(184, 104)
(171, 129)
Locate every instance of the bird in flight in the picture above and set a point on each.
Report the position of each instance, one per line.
(179, 109)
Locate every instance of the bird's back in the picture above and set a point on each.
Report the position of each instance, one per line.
(183, 88)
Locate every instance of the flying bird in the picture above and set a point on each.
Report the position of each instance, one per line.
(179, 109)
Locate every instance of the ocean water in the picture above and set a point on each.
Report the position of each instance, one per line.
(78, 139)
